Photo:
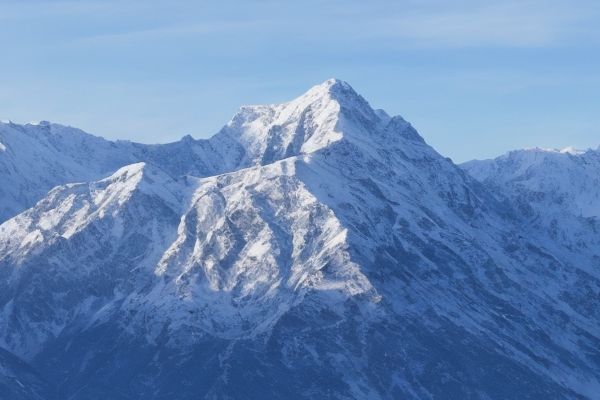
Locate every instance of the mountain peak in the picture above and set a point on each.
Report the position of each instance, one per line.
(333, 82)
(324, 114)
(40, 123)
(333, 90)
(318, 241)
(332, 86)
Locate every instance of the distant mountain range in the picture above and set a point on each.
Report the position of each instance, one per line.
(313, 249)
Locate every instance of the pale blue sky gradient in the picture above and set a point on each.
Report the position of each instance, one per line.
(476, 78)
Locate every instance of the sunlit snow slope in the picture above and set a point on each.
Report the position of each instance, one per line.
(312, 249)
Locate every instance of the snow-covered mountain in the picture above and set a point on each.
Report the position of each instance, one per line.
(566, 180)
(555, 191)
(34, 158)
(312, 249)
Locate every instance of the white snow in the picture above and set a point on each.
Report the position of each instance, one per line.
(568, 177)
(320, 202)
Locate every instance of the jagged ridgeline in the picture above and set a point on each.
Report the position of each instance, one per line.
(313, 249)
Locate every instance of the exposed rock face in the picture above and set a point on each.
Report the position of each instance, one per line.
(313, 249)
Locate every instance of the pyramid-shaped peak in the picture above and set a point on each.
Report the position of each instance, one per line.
(330, 93)
(332, 88)
(326, 113)
(334, 83)
(327, 99)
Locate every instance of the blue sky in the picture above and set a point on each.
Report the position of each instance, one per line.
(476, 78)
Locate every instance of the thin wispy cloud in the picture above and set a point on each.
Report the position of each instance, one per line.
(476, 23)
(409, 24)
(171, 32)
(504, 25)
(175, 60)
